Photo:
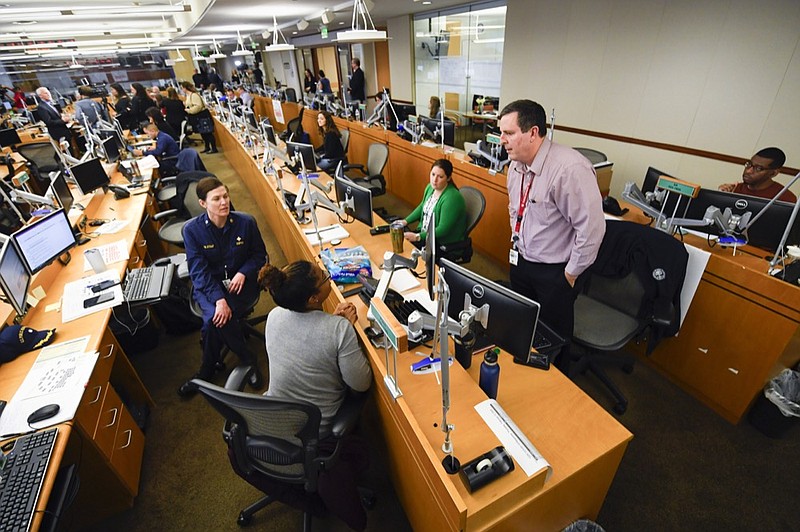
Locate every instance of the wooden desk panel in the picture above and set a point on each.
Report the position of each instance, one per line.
(583, 466)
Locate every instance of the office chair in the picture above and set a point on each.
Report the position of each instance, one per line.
(345, 139)
(187, 160)
(594, 156)
(171, 231)
(633, 288)
(42, 159)
(184, 136)
(273, 443)
(166, 188)
(371, 177)
(461, 252)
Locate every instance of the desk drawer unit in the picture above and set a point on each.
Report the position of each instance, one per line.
(92, 400)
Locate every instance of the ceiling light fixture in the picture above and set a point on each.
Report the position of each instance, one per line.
(180, 58)
(240, 49)
(217, 54)
(327, 16)
(362, 27)
(276, 45)
(302, 24)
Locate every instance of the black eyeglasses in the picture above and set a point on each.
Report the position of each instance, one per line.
(755, 167)
(325, 280)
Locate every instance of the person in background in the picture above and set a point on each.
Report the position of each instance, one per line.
(309, 82)
(213, 77)
(174, 111)
(200, 79)
(442, 199)
(52, 117)
(196, 109)
(357, 87)
(224, 251)
(315, 356)
(86, 107)
(165, 144)
(19, 98)
(331, 150)
(758, 174)
(435, 108)
(324, 84)
(258, 76)
(235, 76)
(245, 97)
(555, 211)
(122, 106)
(156, 117)
(140, 102)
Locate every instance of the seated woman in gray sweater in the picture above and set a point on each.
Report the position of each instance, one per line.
(315, 356)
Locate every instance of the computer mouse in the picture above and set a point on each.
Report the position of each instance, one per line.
(45, 412)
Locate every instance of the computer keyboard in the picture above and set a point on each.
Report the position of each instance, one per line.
(21, 479)
(148, 284)
(137, 284)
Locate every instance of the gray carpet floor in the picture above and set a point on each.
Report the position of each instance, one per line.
(685, 469)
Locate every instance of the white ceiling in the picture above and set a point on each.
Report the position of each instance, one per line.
(86, 28)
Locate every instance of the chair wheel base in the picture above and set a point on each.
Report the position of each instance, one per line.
(628, 368)
(620, 408)
(244, 520)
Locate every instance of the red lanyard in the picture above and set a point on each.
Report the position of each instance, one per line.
(523, 202)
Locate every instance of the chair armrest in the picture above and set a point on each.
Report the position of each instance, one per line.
(354, 167)
(238, 378)
(347, 416)
(167, 180)
(164, 214)
(454, 247)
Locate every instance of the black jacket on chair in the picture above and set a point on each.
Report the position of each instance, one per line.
(660, 261)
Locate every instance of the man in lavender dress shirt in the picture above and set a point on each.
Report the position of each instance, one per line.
(556, 214)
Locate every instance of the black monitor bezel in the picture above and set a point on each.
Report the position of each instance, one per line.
(85, 165)
(61, 213)
(9, 134)
(20, 309)
(505, 329)
(104, 147)
(362, 215)
(306, 152)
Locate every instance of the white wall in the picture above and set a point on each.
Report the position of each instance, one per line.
(719, 75)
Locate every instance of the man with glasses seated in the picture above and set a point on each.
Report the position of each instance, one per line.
(758, 174)
(224, 251)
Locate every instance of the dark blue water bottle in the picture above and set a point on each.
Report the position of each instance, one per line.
(490, 373)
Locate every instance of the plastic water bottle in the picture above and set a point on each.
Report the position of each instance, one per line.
(490, 373)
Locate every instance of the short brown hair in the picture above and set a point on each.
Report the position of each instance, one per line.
(206, 185)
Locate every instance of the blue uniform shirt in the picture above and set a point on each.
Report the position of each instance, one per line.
(215, 254)
(165, 146)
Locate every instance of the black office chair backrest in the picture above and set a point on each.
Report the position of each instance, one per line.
(475, 206)
(345, 139)
(277, 437)
(625, 294)
(41, 154)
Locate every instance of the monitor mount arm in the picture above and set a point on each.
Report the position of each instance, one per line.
(491, 152)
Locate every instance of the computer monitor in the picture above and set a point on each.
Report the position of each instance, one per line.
(117, 135)
(14, 278)
(270, 132)
(89, 175)
(512, 317)
(306, 151)
(44, 240)
(110, 149)
(60, 190)
(449, 130)
(404, 111)
(765, 233)
(361, 197)
(9, 137)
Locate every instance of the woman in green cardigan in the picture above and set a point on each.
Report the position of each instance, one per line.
(443, 199)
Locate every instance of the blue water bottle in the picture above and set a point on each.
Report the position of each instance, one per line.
(490, 373)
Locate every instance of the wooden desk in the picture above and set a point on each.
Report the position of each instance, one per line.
(103, 437)
(583, 443)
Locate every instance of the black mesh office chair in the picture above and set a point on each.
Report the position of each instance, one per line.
(461, 252)
(633, 288)
(171, 230)
(42, 159)
(274, 443)
(371, 176)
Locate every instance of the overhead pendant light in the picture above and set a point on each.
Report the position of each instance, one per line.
(302, 24)
(277, 46)
(362, 28)
(197, 56)
(240, 49)
(217, 54)
(180, 58)
(75, 64)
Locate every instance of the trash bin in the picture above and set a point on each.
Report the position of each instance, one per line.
(778, 408)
